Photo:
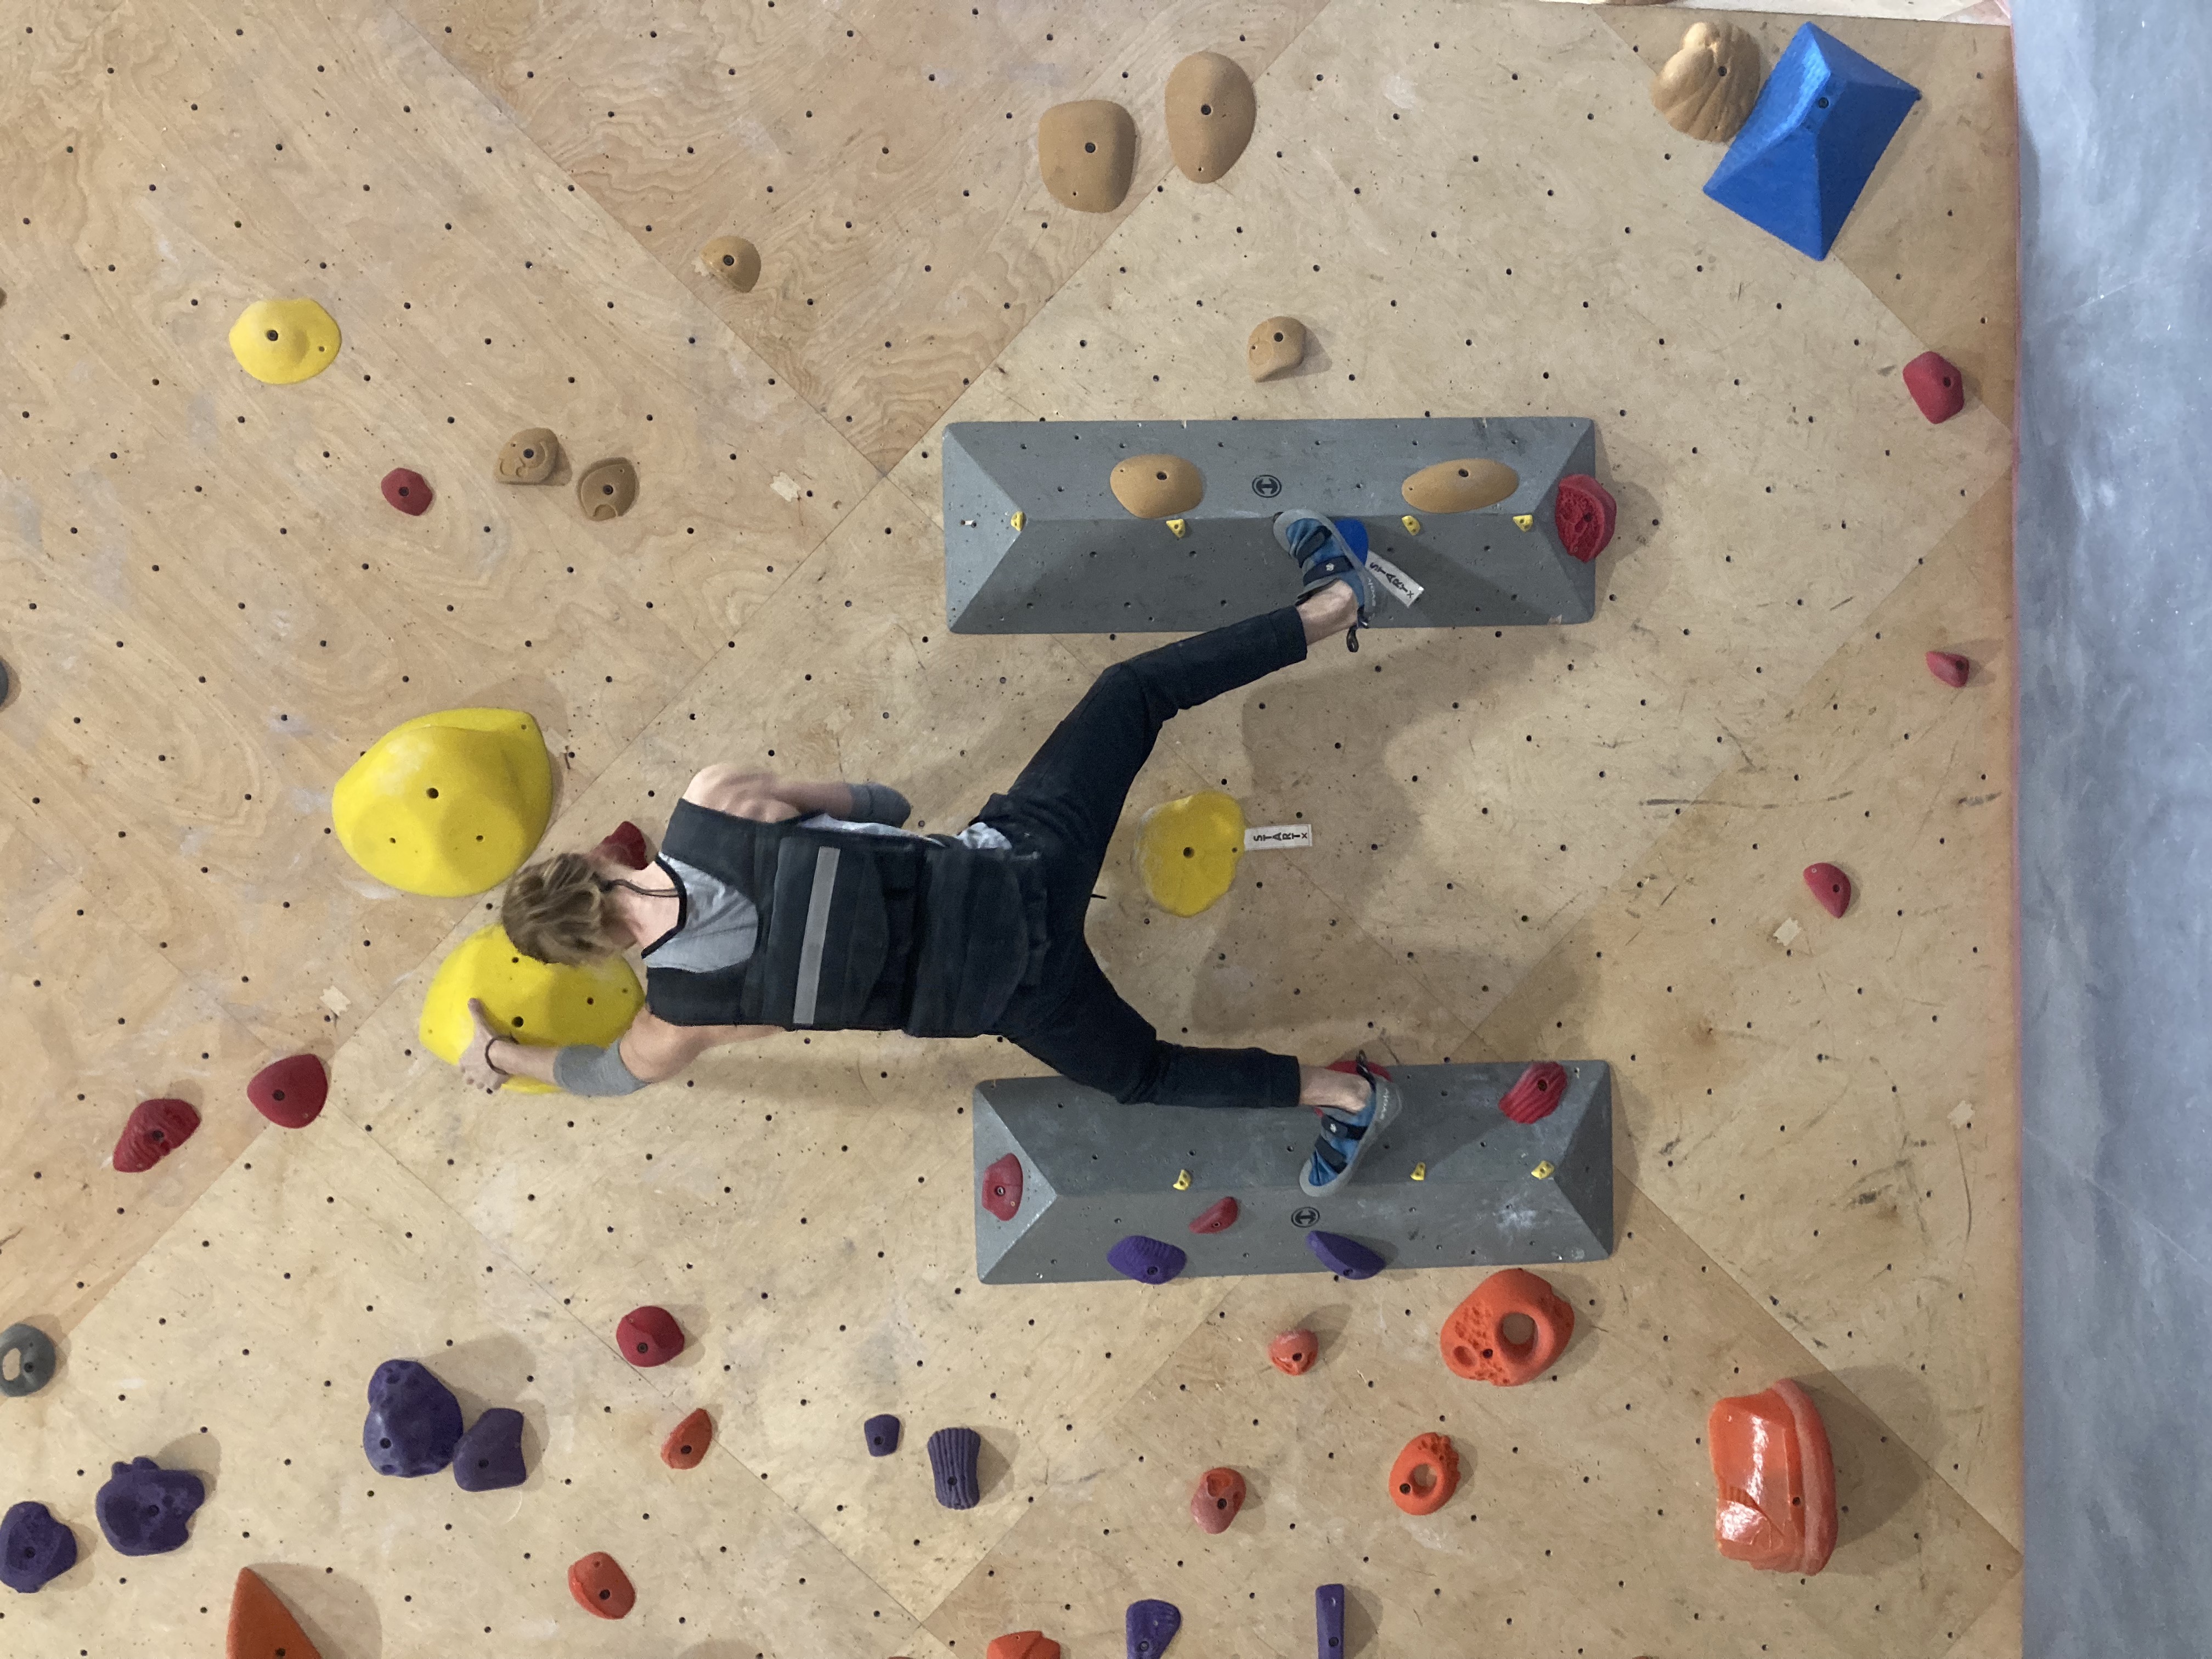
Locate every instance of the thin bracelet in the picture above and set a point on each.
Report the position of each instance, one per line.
(489, 1040)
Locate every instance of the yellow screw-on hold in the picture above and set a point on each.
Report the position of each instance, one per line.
(447, 803)
(1182, 1182)
(1412, 525)
(1187, 849)
(1525, 520)
(1180, 526)
(281, 341)
(534, 1002)
(1543, 1171)
(1420, 1172)
(1018, 521)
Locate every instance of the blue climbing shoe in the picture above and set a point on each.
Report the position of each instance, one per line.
(1345, 1135)
(1329, 550)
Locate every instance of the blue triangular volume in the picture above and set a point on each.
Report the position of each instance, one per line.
(1822, 121)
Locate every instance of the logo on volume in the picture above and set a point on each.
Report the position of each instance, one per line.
(1267, 486)
(1308, 1216)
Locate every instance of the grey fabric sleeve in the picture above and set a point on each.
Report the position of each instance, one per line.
(878, 803)
(582, 1069)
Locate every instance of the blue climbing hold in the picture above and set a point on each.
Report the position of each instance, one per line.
(144, 1507)
(882, 1434)
(1328, 1621)
(1149, 1626)
(952, 1455)
(1147, 1261)
(35, 1549)
(1821, 122)
(490, 1456)
(414, 1422)
(1347, 1258)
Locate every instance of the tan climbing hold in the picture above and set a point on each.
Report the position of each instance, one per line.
(1462, 486)
(731, 260)
(1157, 486)
(530, 457)
(1086, 151)
(1277, 346)
(607, 488)
(1708, 87)
(284, 342)
(261, 1625)
(1211, 110)
(1412, 525)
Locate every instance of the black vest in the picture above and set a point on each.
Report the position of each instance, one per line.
(858, 931)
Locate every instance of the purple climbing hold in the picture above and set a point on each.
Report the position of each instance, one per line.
(952, 1453)
(1149, 1626)
(882, 1434)
(1347, 1258)
(144, 1507)
(1328, 1621)
(35, 1549)
(414, 1422)
(490, 1456)
(1147, 1261)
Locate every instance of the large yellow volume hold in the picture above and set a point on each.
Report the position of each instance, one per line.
(1187, 849)
(281, 341)
(447, 803)
(534, 1002)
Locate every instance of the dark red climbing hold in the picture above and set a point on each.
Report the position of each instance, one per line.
(408, 491)
(1328, 1621)
(626, 845)
(489, 1457)
(649, 1336)
(35, 1549)
(144, 1507)
(1949, 667)
(1217, 1217)
(290, 1091)
(883, 1435)
(1537, 1094)
(414, 1422)
(1936, 385)
(1831, 886)
(600, 1586)
(155, 1128)
(1147, 1261)
(1148, 1627)
(1347, 1258)
(687, 1443)
(1216, 1499)
(1001, 1188)
(1293, 1352)
(1584, 512)
(952, 1455)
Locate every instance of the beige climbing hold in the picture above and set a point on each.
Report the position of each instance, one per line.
(284, 342)
(1543, 1171)
(1211, 110)
(1277, 346)
(530, 457)
(1157, 486)
(1182, 1182)
(1524, 521)
(607, 488)
(1018, 521)
(1086, 151)
(1459, 486)
(1180, 526)
(1412, 525)
(1708, 87)
(732, 260)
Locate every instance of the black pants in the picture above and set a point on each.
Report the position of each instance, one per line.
(1064, 807)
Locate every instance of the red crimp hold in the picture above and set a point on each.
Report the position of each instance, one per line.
(1216, 1499)
(1949, 667)
(1936, 385)
(1584, 513)
(600, 1586)
(155, 1128)
(1537, 1094)
(649, 1336)
(687, 1443)
(1002, 1187)
(1293, 1352)
(1831, 886)
(1023, 1644)
(1217, 1217)
(626, 843)
(290, 1092)
(408, 491)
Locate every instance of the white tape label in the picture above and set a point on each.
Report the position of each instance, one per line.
(1395, 583)
(1261, 835)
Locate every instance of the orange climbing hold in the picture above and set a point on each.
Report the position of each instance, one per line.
(261, 1626)
(1216, 1499)
(1831, 886)
(1777, 1480)
(1480, 1344)
(600, 1586)
(688, 1441)
(1293, 1352)
(1023, 1644)
(1425, 1475)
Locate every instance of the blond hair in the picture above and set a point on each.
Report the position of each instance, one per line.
(555, 912)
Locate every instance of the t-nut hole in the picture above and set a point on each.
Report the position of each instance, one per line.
(432, 794)
(272, 333)
(1089, 150)
(1206, 109)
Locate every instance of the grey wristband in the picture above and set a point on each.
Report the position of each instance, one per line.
(878, 803)
(582, 1069)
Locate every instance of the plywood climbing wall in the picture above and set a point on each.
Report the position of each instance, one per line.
(1579, 842)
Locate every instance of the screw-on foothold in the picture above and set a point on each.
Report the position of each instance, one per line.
(1524, 521)
(1831, 886)
(1949, 667)
(1001, 1186)
(1328, 1621)
(1183, 1180)
(1181, 527)
(687, 1443)
(1543, 1171)
(601, 1587)
(1420, 1171)
(1412, 528)
(1217, 1217)
(1293, 1352)
(1217, 1499)
(882, 1434)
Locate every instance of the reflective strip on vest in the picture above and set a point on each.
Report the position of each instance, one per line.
(817, 929)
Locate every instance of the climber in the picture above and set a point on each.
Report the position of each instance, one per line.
(777, 904)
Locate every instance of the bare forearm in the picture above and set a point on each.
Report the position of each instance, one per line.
(523, 1058)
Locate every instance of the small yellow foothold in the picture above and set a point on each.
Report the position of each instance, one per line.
(1412, 525)
(1525, 520)
(1019, 520)
(1420, 1172)
(1543, 1171)
(1179, 526)
(1182, 1182)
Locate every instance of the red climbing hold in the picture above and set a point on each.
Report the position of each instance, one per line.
(1217, 1217)
(262, 1626)
(1432, 1455)
(626, 844)
(1023, 1644)
(1584, 512)
(1936, 385)
(649, 1336)
(1949, 667)
(408, 491)
(289, 1092)
(1477, 1345)
(688, 1441)
(1293, 1352)
(1002, 1187)
(155, 1128)
(1831, 886)
(1215, 1503)
(1537, 1094)
(600, 1586)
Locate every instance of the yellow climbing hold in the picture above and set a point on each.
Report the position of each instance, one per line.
(1524, 521)
(1018, 521)
(447, 803)
(1543, 1171)
(1412, 525)
(1182, 1182)
(539, 1003)
(1420, 1172)
(281, 341)
(1180, 526)
(1187, 849)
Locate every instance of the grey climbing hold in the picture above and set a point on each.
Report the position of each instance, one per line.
(32, 1352)
(1147, 1261)
(1328, 1621)
(883, 1433)
(953, 1457)
(35, 1549)
(1345, 1257)
(144, 1508)
(413, 1423)
(1149, 1626)
(490, 1456)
